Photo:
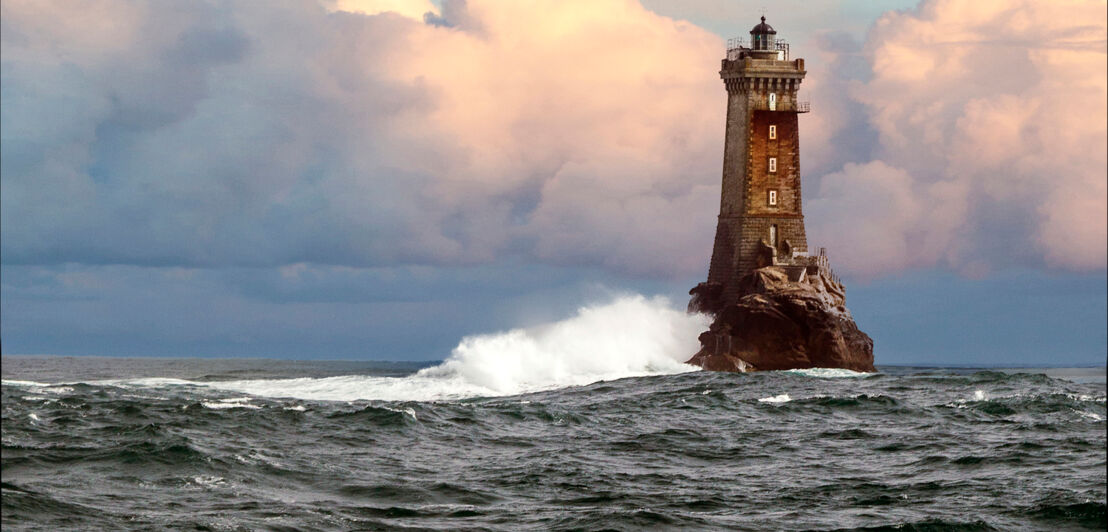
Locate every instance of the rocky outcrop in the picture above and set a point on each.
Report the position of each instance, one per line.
(784, 317)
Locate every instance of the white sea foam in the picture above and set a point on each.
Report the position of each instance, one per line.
(146, 382)
(631, 336)
(57, 389)
(828, 373)
(233, 402)
(978, 395)
(26, 384)
(783, 398)
(208, 481)
(225, 405)
(145, 397)
(1083, 397)
(406, 411)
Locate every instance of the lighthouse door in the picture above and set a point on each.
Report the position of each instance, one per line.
(773, 101)
(773, 235)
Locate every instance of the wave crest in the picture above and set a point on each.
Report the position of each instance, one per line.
(632, 336)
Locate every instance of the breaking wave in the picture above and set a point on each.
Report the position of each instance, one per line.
(829, 373)
(629, 337)
(782, 398)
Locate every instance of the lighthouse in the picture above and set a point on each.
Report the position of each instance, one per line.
(774, 305)
(760, 203)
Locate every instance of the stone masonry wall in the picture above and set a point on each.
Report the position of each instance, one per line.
(724, 251)
(745, 214)
(735, 153)
(786, 180)
(754, 230)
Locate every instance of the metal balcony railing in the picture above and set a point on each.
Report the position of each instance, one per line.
(737, 44)
(734, 48)
(782, 45)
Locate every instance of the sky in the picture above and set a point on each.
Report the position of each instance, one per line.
(375, 179)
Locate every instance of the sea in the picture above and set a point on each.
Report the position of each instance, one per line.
(94, 443)
(589, 423)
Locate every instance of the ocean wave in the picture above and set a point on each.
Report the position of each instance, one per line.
(229, 403)
(147, 382)
(157, 457)
(23, 384)
(632, 336)
(1010, 404)
(783, 398)
(1085, 397)
(828, 373)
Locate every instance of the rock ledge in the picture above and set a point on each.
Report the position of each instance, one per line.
(783, 318)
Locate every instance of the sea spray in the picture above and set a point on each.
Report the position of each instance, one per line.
(631, 336)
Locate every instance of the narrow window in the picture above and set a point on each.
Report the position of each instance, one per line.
(773, 198)
(773, 101)
(772, 132)
(773, 164)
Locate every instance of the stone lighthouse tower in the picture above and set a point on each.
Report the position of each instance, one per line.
(760, 201)
(774, 306)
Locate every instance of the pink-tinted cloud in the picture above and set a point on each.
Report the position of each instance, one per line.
(882, 220)
(991, 120)
(415, 9)
(354, 132)
(379, 133)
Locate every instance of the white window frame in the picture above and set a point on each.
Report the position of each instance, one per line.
(772, 132)
(773, 165)
(773, 101)
(773, 197)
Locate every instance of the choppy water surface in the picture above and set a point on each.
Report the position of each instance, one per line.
(127, 444)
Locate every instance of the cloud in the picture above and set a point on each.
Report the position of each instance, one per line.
(381, 134)
(415, 9)
(353, 133)
(991, 123)
(894, 223)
